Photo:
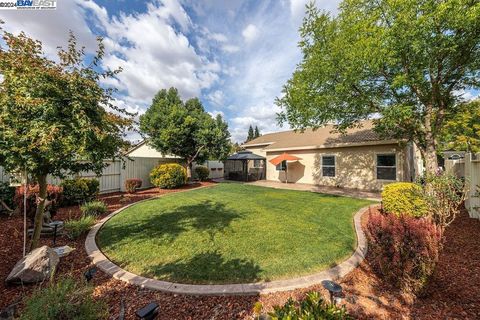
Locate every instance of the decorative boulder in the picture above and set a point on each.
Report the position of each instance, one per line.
(35, 267)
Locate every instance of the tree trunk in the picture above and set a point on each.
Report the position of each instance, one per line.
(38, 222)
(431, 161)
(189, 169)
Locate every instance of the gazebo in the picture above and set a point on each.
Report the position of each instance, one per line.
(245, 166)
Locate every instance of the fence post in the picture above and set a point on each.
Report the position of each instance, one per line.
(122, 174)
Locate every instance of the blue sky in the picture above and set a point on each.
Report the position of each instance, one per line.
(234, 55)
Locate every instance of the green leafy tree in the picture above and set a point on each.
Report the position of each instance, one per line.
(184, 129)
(257, 133)
(407, 61)
(462, 129)
(53, 115)
(235, 147)
(251, 134)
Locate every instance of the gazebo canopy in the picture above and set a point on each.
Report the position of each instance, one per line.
(245, 155)
(245, 166)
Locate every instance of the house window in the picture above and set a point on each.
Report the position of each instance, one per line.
(386, 167)
(257, 163)
(282, 166)
(328, 166)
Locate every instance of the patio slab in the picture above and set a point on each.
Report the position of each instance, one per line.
(355, 193)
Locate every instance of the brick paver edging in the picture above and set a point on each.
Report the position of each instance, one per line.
(102, 262)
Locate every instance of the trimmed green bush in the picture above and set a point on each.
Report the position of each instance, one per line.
(202, 172)
(94, 208)
(312, 307)
(75, 228)
(64, 299)
(404, 198)
(80, 190)
(168, 176)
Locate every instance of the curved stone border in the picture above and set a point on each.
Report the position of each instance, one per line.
(340, 270)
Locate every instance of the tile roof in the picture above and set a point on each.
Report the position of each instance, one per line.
(323, 137)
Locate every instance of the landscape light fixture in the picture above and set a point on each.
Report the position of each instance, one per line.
(334, 289)
(149, 312)
(121, 315)
(90, 273)
(55, 225)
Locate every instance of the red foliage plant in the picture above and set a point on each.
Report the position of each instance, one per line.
(54, 194)
(131, 185)
(403, 250)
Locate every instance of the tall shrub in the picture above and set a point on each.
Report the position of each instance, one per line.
(403, 249)
(202, 172)
(444, 194)
(80, 190)
(168, 176)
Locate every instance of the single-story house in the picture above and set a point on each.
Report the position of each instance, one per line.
(357, 159)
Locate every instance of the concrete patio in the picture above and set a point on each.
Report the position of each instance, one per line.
(356, 193)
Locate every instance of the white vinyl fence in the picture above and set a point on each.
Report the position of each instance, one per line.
(113, 176)
(469, 169)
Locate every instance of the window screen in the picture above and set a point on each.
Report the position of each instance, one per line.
(282, 166)
(386, 167)
(328, 166)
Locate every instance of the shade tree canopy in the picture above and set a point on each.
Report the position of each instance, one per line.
(55, 117)
(184, 128)
(462, 128)
(407, 62)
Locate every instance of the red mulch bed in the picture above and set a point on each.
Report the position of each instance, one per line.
(453, 292)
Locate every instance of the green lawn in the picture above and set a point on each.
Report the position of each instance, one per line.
(232, 233)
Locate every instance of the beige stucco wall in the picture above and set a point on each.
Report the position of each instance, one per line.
(145, 151)
(355, 166)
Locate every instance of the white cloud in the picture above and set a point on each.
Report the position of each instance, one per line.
(230, 71)
(230, 48)
(152, 54)
(297, 8)
(250, 33)
(51, 26)
(217, 97)
(215, 113)
(220, 37)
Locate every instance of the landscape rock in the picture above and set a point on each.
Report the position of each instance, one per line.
(35, 267)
